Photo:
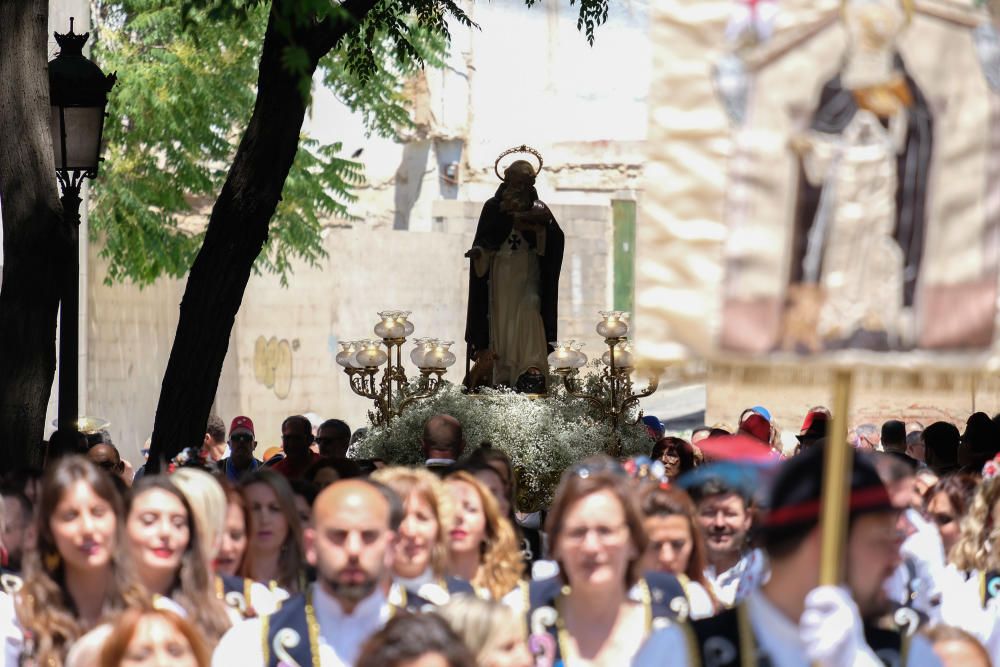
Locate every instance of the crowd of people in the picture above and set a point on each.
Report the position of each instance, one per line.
(705, 552)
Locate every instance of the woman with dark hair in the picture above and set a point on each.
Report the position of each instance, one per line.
(676, 454)
(588, 614)
(78, 575)
(275, 556)
(408, 640)
(170, 561)
(676, 544)
(946, 503)
(153, 637)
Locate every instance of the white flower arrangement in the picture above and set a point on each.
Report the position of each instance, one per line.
(542, 436)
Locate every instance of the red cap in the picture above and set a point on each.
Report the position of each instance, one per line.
(814, 420)
(756, 426)
(241, 424)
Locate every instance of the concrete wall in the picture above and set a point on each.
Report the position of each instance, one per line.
(877, 396)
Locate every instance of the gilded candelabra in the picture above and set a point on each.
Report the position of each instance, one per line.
(361, 360)
(616, 395)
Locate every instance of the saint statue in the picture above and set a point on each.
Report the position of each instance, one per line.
(513, 283)
(861, 213)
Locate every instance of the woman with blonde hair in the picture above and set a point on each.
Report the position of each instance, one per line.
(275, 556)
(421, 549)
(220, 518)
(171, 562)
(483, 547)
(490, 629)
(970, 586)
(78, 575)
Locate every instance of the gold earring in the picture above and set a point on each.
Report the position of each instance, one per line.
(52, 560)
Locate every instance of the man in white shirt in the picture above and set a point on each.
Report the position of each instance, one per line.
(350, 545)
(791, 621)
(724, 515)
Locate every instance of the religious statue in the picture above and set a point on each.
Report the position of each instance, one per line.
(861, 215)
(513, 282)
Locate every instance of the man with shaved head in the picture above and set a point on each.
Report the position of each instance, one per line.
(442, 442)
(350, 545)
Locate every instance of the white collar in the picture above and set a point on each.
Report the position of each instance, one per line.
(425, 577)
(770, 623)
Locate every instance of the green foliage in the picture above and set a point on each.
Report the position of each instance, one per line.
(188, 72)
(178, 112)
(542, 437)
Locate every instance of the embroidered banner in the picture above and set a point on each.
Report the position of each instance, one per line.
(823, 181)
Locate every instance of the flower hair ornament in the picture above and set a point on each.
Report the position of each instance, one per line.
(992, 468)
(646, 469)
(523, 148)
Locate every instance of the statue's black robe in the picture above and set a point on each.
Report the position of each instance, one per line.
(492, 231)
(837, 107)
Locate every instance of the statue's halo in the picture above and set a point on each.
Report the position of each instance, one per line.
(528, 150)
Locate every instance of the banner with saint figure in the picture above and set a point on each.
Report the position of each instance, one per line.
(823, 179)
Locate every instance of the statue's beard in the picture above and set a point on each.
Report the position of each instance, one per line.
(515, 199)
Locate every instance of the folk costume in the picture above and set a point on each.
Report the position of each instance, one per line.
(662, 596)
(310, 630)
(756, 634)
(830, 629)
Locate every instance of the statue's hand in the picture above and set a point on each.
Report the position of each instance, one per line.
(475, 253)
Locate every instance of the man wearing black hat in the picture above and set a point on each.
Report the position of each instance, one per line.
(791, 620)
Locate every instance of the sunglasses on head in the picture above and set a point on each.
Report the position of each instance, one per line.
(589, 468)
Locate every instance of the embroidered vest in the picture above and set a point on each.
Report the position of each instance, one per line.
(727, 640)
(290, 635)
(10, 582)
(989, 586)
(235, 592)
(661, 596)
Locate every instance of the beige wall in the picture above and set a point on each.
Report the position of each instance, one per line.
(877, 396)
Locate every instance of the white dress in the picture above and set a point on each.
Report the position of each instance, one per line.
(852, 235)
(517, 332)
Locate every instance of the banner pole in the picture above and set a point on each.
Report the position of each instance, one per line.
(837, 459)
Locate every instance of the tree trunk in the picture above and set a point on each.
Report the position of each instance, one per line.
(237, 231)
(33, 236)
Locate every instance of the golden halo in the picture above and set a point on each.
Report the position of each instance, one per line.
(528, 150)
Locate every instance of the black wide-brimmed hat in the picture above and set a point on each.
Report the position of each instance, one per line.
(796, 495)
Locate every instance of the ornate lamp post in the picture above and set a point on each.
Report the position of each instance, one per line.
(616, 396)
(361, 360)
(78, 91)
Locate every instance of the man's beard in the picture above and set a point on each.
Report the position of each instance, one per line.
(352, 592)
(735, 545)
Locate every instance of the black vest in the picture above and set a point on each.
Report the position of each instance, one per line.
(235, 593)
(724, 639)
(286, 635)
(989, 586)
(661, 594)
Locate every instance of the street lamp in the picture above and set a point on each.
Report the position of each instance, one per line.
(78, 91)
(361, 360)
(615, 395)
